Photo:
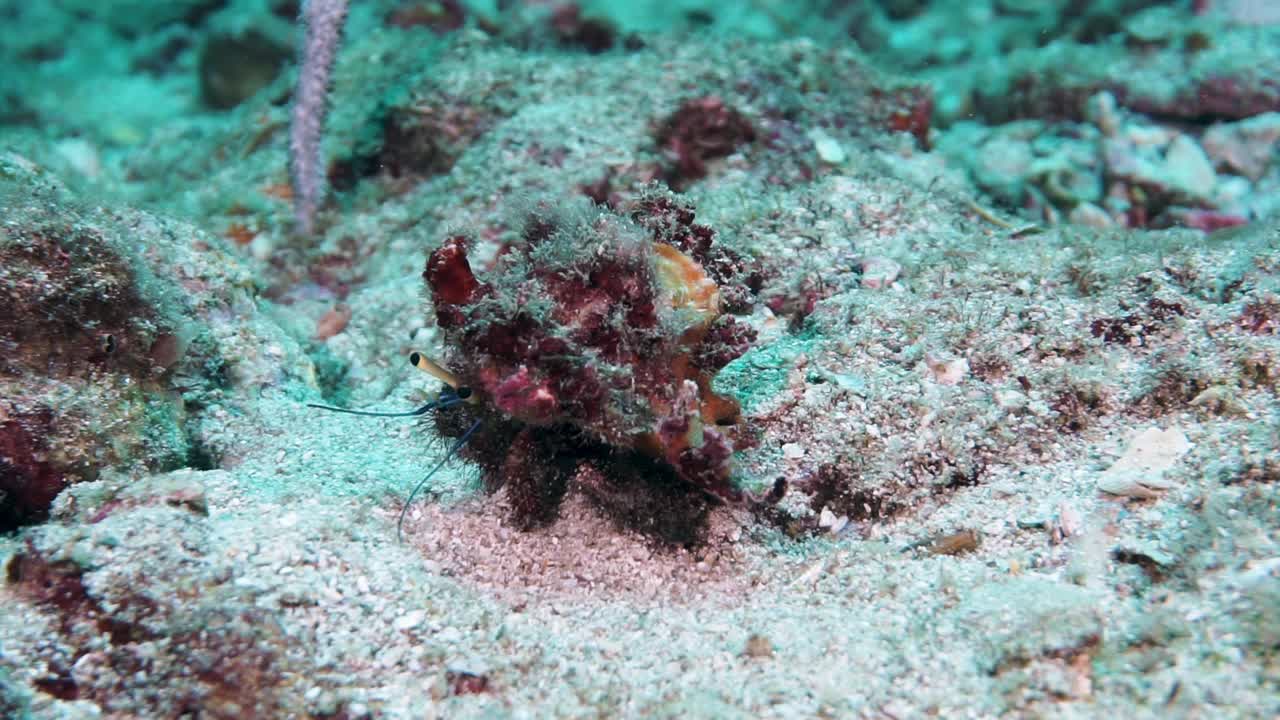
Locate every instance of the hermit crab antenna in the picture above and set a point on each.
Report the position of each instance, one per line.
(448, 456)
(441, 402)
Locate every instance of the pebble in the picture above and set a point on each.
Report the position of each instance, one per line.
(1260, 571)
(1140, 471)
(1148, 135)
(1002, 164)
(879, 272)
(1090, 215)
(1154, 25)
(263, 246)
(758, 646)
(390, 657)
(1103, 112)
(333, 322)
(1189, 169)
(829, 521)
(413, 618)
(1067, 524)
(828, 148)
(1246, 147)
(1232, 191)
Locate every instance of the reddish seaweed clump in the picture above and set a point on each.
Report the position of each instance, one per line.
(700, 130)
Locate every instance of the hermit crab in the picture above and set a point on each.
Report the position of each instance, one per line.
(590, 343)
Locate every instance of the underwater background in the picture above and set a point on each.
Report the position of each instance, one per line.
(827, 358)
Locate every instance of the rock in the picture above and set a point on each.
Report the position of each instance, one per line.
(1206, 220)
(956, 543)
(1066, 525)
(1090, 215)
(1067, 183)
(830, 522)
(1001, 166)
(409, 620)
(1140, 471)
(81, 390)
(1246, 147)
(81, 155)
(1155, 158)
(333, 322)
(235, 67)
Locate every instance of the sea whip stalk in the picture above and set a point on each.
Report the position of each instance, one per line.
(322, 21)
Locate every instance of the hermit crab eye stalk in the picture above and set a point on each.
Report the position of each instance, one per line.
(434, 369)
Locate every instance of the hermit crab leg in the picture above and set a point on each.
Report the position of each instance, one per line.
(448, 456)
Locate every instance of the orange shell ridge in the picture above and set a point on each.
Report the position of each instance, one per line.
(690, 290)
(688, 284)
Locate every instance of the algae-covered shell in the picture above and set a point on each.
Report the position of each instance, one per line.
(591, 321)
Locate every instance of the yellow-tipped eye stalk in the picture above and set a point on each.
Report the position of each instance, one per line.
(432, 368)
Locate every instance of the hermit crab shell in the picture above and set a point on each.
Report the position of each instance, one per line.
(589, 322)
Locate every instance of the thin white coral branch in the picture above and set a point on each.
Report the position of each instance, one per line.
(322, 21)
